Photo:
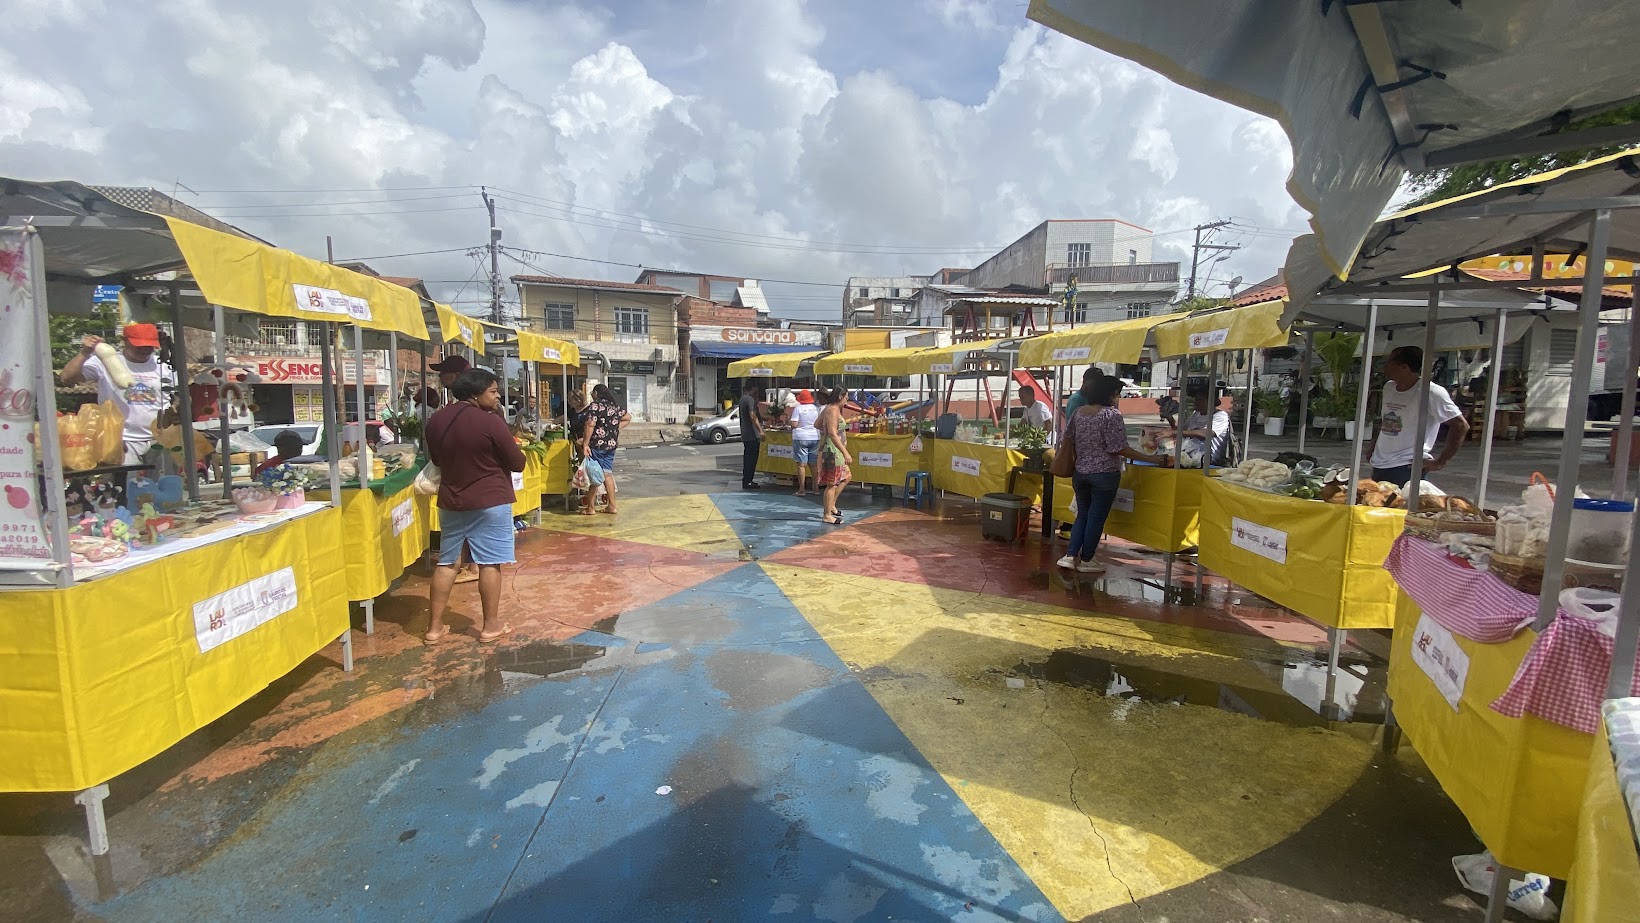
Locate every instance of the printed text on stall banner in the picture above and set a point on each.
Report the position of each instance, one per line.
(22, 532)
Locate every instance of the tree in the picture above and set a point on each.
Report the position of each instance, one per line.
(68, 330)
(1436, 185)
(1198, 303)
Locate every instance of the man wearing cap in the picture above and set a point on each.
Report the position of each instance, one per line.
(450, 369)
(141, 400)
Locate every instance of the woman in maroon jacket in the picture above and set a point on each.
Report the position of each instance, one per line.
(476, 455)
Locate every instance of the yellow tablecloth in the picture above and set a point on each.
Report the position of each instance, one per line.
(1324, 561)
(1158, 508)
(97, 678)
(971, 469)
(553, 476)
(1604, 886)
(1518, 781)
(381, 537)
(878, 459)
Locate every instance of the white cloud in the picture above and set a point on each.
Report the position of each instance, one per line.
(733, 120)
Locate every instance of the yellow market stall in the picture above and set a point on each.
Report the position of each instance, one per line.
(1604, 883)
(878, 458)
(129, 644)
(773, 365)
(971, 469)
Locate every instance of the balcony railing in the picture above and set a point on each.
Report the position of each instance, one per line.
(1114, 274)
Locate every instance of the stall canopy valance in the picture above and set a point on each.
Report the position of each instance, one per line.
(1440, 235)
(1368, 91)
(883, 363)
(533, 347)
(773, 365)
(247, 275)
(1253, 326)
(941, 360)
(716, 350)
(455, 327)
(1119, 341)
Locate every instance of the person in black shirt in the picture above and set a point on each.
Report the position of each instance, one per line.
(751, 435)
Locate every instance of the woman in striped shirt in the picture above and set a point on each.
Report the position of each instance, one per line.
(1101, 444)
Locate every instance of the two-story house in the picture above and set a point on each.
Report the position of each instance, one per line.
(628, 335)
(1111, 260)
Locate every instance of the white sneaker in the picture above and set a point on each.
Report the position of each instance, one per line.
(1067, 562)
(1089, 567)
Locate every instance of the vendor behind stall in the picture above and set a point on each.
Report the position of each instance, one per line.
(137, 388)
(1392, 438)
(1206, 425)
(1037, 413)
(289, 445)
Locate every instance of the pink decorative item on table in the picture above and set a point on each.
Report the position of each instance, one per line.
(291, 501)
(254, 501)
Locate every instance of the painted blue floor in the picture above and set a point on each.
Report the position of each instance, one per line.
(771, 521)
(718, 763)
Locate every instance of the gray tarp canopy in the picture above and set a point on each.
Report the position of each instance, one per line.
(1367, 91)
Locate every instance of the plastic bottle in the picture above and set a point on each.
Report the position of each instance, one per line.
(118, 372)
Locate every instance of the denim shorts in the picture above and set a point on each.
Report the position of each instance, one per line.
(805, 451)
(605, 459)
(487, 533)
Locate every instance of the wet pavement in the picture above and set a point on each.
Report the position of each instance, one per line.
(716, 707)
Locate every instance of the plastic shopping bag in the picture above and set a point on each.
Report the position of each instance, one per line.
(1073, 506)
(1530, 897)
(427, 480)
(579, 480)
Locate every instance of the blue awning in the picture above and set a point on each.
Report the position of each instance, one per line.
(748, 350)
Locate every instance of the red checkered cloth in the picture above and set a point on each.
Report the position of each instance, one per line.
(1465, 601)
(1563, 678)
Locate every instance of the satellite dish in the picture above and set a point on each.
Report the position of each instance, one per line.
(1233, 283)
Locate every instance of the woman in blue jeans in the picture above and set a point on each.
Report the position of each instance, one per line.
(1101, 444)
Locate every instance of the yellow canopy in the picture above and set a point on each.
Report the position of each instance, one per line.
(533, 347)
(772, 365)
(879, 362)
(250, 276)
(1119, 341)
(454, 327)
(939, 360)
(1253, 326)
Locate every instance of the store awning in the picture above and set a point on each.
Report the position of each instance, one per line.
(717, 350)
(1119, 341)
(883, 363)
(773, 365)
(1253, 326)
(1368, 91)
(247, 275)
(455, 327)
(941, 360)
(534, 347)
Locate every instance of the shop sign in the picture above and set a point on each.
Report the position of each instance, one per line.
(303, 370)
(760, 373)
(941, 368)
(859, 369)
(1437, 653)
(1072, 354)
(1123, 501)
(328, 301)
(623, 367)
(755, 336)
(1211, 339)
(780, 451)
(968, 466)
(22, 535)
(876, 459)
(403, 515)
(1260, 540)
(228, 615)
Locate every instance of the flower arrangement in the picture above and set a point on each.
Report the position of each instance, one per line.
(286, 484)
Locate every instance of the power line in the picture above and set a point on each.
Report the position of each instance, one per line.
(387, 201)
(403, 211)
(394, 256)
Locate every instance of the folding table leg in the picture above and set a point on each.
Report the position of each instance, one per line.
(369, 607)
(96, 823)
(1498, 900)
(347, 651)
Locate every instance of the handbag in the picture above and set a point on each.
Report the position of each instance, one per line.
(1064, 457)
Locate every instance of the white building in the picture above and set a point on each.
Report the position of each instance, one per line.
(1110, 259)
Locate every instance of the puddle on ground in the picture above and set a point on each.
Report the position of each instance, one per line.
(1296, 699)
(544, 658)
(1080, 585)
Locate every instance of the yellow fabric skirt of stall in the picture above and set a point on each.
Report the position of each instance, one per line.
(971, 469)
(1324, 561)
(1159, 509)
(381, 537)
(99, 677)
(878, 459)
(1518, 781)
(554, 474)
(1605, 879)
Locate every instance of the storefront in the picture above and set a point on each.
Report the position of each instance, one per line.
(291, 387)
(712, 349)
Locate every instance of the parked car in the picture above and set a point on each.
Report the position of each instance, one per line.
(718, 430)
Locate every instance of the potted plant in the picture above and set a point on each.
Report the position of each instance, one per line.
(1274, 409)
(1032, 442)
(1337, 353)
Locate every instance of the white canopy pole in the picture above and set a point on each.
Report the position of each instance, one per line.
(358, 386)
(332, 436)
(1304, 386)
(1490, 426)
(1363, 393)
(1625, 423)
(223, 449)
(393, 373)
(1431, 320)
(1247, 405)
(179, 367)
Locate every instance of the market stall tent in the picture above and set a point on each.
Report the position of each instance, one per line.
(1120, 341)
(774, 365)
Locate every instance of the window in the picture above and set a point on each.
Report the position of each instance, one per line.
(1138, 310)
(632, 322)
(894, 293)
(862, 292)
(1562, 352)
(559, 316)
(1078, 314)
(1133, 257)
(1081, 254)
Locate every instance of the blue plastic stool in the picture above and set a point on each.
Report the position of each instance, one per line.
(918, 488)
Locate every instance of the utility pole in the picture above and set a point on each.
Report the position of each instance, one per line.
(1196, 251)
(495, 258)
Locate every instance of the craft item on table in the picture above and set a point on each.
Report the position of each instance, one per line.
(149, 525)
(93, 549)
(285, 483)
(253, 501)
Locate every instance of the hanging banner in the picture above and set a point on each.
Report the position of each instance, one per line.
(1437, 653)
(328, 301)
(228, 615)
(22, 533)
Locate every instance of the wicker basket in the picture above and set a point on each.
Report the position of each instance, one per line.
(1426, 526)
(1524, 574)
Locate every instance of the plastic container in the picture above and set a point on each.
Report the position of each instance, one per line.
(1004, 516)
(1600, 532)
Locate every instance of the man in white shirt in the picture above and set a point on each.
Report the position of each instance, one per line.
(1037, 412)
(1207, 427)
(1394, 439)
(141, 400)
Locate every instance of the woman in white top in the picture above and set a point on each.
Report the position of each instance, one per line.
(805, 437)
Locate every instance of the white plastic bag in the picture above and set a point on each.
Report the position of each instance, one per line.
(1530, 897)
(427, 480)
(1073, 507)
(916, 445)
(1598, 606)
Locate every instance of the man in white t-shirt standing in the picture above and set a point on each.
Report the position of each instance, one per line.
(1037, 412)
(1394, 439)
(141, 400)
